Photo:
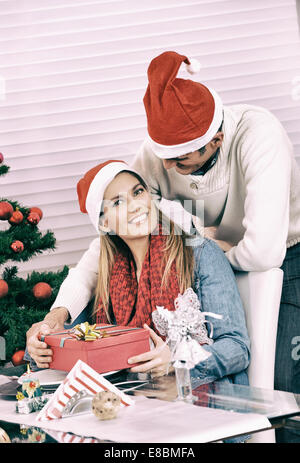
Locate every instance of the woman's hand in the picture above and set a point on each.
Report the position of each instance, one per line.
(38, 350)
(156, 360)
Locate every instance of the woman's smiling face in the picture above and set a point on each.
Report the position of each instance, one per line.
(129, 211)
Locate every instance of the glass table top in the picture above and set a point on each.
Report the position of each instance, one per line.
(279, 407)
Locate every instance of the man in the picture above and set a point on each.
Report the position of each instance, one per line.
(238, 162)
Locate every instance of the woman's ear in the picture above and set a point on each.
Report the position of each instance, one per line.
(102, 225)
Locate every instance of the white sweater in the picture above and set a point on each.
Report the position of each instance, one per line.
(252, 194)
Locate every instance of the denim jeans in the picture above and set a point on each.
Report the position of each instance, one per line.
(287, 363)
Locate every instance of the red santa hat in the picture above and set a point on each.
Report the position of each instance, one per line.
(91, 187)
(183, 115)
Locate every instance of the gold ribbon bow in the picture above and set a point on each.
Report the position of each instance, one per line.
(20, 396)
(86, 332)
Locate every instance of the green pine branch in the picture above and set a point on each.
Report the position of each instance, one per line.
(33, 240)
(19, 309)
(4, 169)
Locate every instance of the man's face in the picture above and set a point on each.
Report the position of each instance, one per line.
(190, 162)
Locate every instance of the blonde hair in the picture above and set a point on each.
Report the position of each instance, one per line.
(175, 250)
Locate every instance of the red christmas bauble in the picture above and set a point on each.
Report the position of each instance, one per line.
(1, 158)
(17, 358)
(33, 218)
(42, 291)
(17, 246)
(3, 288)
(37, 210)
(16, 217)
(6, 210)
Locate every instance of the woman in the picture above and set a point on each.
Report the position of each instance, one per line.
(143, 263)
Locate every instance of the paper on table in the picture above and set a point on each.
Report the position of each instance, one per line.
(68, 438)
(81, 378)
(150, 420)
(156, 421)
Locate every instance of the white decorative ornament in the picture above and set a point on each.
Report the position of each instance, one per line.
(185, 332)
(187, 321)
(190, 352)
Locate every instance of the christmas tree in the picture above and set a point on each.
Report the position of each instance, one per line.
(23, 301)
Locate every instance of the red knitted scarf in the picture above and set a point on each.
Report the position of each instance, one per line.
(133, 302)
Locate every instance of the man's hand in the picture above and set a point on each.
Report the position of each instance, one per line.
(211, 233)
(206, 232)
(156, 360)
(224, 245)
(38, 350)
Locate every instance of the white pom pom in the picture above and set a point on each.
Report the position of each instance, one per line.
(194, 66)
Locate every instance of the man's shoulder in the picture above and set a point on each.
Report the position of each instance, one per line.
(146, 151)
(145, 154)
(252, 117)
(258, 129)
(147, 163)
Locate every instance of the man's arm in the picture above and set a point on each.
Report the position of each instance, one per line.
(266, 164)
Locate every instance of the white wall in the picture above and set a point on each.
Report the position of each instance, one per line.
(74, 72)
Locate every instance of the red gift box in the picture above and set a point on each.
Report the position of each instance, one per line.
(104, 354)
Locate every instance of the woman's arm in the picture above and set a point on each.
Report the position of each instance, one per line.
(74, 295)
(38, 351)
(78, 288)
(218, 293)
